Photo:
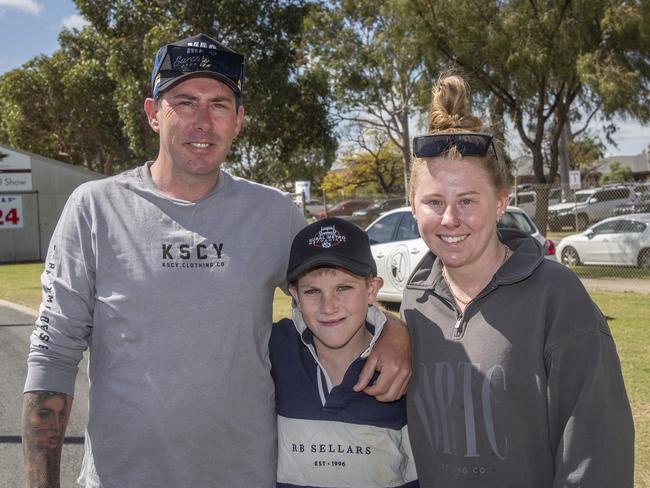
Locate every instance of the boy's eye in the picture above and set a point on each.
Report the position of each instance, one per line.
(311, 291)
(466, 201)
(435, 202)
(344, 287)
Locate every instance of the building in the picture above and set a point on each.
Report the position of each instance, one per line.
(33, 191)
(639, 164)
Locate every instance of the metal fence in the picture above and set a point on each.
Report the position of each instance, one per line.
(600, 232)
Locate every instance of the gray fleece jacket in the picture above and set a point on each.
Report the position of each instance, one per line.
(522, 390)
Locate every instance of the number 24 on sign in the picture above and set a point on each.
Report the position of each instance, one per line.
(8, 212)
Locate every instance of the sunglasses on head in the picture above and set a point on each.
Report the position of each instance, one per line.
(173, 61)
(467, 144)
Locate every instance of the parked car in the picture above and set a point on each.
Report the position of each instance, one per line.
(397, 247)
(366, 215)
(527, 200)
(621, 241)
(346, 207)
(640, 205)
(641, 188)
(590, 206)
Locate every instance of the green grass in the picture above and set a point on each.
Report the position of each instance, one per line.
(629, 318)
(281, 306)
(611, 272)
(628, 315)
(20, 283)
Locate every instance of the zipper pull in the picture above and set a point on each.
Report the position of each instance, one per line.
(457, 326)
(458, 323)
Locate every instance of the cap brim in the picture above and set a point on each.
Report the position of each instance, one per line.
(354, 267)
(167, 84)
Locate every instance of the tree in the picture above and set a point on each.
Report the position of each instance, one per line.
(585, 151)
(376, 165)
(376, 71)
(287, 134)
(89, 94)
(62, 106)
(617, 174)
(546, 61)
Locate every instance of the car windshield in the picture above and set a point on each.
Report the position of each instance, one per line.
(583, 197)
(516, 220)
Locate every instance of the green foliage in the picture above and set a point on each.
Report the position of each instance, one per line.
(378, 169)
(376, 71)
(62, 106)
(546, 61)
(92, 89)
(286, 135)
(585, 151)
(617, 174)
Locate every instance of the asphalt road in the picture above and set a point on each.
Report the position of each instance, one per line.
(16, 324)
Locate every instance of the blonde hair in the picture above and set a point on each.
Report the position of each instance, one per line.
(449, 112)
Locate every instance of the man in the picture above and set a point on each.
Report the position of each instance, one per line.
(167, 273)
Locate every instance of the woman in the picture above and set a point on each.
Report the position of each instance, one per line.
(516, 380)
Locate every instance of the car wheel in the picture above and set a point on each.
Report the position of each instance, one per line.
(570, 256)
(644, 259)
(583, 222)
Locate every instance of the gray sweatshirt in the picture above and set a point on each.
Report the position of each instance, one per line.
(174, 301)
(522, 390)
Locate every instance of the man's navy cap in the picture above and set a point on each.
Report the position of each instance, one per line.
(197, 55)
(331, 242)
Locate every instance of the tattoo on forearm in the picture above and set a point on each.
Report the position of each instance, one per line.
(45, 417)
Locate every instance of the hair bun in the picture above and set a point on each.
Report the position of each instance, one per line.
(449, 106)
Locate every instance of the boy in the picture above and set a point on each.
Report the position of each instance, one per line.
(329, 435)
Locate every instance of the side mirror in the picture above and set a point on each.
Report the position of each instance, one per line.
(590, 234)
(592, 200)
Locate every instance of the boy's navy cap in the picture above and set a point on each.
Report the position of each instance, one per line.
(197, 55)
(331, 242)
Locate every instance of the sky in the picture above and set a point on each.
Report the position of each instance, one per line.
(31, 27)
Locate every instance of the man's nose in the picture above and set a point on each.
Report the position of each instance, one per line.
(203, 118)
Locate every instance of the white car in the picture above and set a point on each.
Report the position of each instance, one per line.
(527, 200)
(620, 241)
(397, 247)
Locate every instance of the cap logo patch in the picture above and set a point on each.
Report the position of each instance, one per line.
(192, 63)
(327, 237)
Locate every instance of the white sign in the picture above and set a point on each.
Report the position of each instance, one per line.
(15, 171)
(574, 180)
(13, 181)
(304, 187)
(11, 212)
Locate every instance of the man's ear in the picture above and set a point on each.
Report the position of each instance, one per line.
(240, 119)
(151, 109)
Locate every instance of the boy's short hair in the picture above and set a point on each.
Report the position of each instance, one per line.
(331, 242)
